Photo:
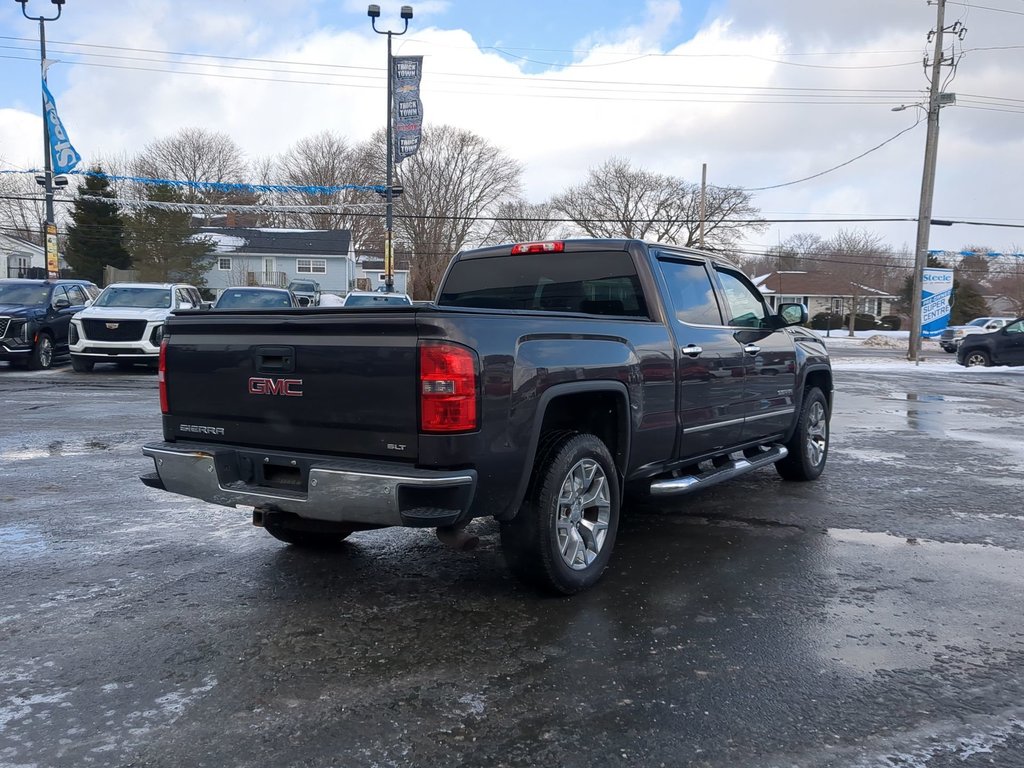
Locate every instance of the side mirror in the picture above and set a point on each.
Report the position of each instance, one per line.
(61, 303)
(793, 314)
(88, 302)
(185, 305)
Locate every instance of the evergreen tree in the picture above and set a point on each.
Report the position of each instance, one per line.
(906, 294)
(163, 244)
(96, 236)
(968, 303)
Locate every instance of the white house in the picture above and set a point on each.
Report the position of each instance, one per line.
(20, 258)
(274, 257)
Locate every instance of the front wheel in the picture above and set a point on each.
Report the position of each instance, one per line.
(82, 364)
(562, 537)
(42, 353)
(976, 358)
(808, 448)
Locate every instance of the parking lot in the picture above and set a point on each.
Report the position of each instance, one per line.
(872, 618)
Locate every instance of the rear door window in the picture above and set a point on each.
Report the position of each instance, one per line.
(691, 292)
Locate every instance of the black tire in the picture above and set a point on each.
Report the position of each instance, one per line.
(950, 351)
(82, 364)
(562, 538)
(808, 448)
(308, 539)
(977, 357)
(42, 353)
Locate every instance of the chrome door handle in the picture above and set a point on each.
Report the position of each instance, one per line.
(751, 349)
(692, 350)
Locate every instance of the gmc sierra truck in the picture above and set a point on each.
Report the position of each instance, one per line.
(546, 383)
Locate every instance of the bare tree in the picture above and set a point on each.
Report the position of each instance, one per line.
(197, 155)
(327, 160)
(21, 207)
(618, 200)
(1006, 279)
(451, 184)
(517, 221)
(865, 263)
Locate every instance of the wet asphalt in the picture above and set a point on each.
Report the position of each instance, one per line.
(873, 618)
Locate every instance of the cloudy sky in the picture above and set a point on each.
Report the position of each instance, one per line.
(765, 93)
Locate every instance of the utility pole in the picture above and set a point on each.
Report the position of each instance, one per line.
(703, 204)
(389, 194)
(924, 214)
(50, 226)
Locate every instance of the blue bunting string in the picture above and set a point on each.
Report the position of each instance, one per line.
(223, 186)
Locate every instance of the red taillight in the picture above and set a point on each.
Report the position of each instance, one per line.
(550, 246)
(448, 384)
(162, 377)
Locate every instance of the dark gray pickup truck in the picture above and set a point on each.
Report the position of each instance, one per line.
(546, 383)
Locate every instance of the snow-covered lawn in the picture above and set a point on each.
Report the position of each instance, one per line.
(934, 359)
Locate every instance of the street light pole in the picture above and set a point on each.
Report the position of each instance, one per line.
(389, 193)
(924, 215)
(50, 226)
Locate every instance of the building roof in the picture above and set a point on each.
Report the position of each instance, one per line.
(265, 240)
(816, 284)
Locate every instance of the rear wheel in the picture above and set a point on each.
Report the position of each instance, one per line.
(976, 358)
(562, 537)
(42, 353)
(82, 364)
(808, 448)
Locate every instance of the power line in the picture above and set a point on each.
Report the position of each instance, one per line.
(973, 6)
(835, 167)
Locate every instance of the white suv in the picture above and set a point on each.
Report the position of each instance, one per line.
(125, 323)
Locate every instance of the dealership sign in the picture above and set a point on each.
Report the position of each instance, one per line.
(936, 297)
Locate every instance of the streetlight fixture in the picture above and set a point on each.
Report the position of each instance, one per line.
(373, 11)
(50, 228)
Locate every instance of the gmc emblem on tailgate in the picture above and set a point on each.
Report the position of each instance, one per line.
(285, 387)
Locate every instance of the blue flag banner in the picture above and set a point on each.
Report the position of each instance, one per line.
(936, 293)
(406, 107)
(63, 155)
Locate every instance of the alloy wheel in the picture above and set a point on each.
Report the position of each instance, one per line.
(584, 512)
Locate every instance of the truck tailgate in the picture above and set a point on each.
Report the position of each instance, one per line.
(340, 382)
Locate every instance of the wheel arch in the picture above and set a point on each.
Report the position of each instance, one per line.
(579, 407)
(819, 376)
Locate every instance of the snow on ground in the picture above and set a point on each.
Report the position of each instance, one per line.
(934, 359)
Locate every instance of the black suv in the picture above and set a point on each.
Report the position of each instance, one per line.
(1002, 347)
(35, 315)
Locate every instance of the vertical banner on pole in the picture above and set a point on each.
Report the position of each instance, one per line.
(64, 156)
(936, 295)
(406, 107)
(52, 258)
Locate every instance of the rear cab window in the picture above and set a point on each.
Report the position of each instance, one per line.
(586, 282)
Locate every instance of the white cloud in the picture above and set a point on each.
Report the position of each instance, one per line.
(747, 95)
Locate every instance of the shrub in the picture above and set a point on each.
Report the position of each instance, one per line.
(826, 320)
(892, 322)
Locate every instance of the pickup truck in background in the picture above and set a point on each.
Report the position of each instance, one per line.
(952, 336)
(546, 382)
